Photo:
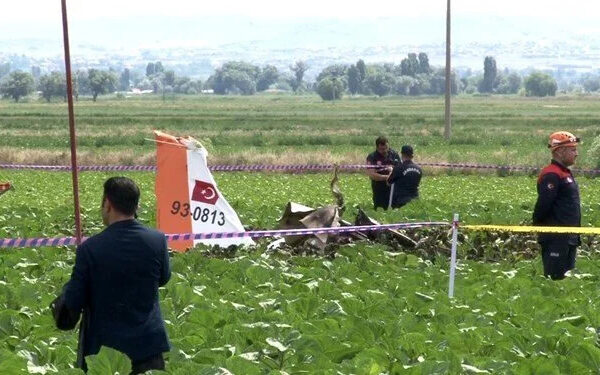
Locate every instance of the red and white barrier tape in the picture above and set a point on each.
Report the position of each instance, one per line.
(264, 167)
(67, 241)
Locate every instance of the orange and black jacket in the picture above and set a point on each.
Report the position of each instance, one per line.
(558, 202)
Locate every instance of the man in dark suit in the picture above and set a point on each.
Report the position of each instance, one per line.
(115, 282)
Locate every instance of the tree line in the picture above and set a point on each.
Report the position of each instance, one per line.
(412, 76)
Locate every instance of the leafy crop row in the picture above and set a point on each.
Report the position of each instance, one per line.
(41, 204)
(368, 310)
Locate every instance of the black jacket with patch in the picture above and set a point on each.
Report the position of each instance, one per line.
(406, 178)
(558, 202)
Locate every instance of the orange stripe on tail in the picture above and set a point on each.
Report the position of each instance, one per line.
(172, 190)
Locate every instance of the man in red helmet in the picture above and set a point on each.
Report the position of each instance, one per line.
(558, 204)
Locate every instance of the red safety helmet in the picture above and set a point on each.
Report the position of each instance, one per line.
(562, 139)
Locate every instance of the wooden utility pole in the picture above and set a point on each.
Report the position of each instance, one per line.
(448, 116)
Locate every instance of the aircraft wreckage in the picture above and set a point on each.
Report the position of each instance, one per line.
(298, 216)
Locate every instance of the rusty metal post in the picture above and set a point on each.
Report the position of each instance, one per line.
(73, 138)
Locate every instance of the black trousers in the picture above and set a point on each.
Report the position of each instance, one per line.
(558, 257)
(155, 362)
(381, 197)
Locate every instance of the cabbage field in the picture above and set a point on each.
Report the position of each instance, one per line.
(361, 308)
(365, 308)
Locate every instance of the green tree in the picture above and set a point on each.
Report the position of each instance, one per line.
(241, 82)
(410, 65)
(299, 68)
(158, 67)
(335, 70)
(125, 80)
(330, 88)
(403, 85)
(157, 82)
(235, 77)
(362, 75)
(182, 85)
(380, 82)
(17, 85)
(540, 84)
(590, 82)
(424, 63)
(4, 69)
(83, 83)
(490, 71)
(354, 81)
(53, 84)
(421, 85)
(150, 69)
(36, 72)
(101, 82)
(268, 76)
(169, 78)
(513, 81)
(362, 70)
(437, 82)
(507, 84)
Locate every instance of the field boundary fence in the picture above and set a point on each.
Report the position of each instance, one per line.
(291, 167)
(68, 241)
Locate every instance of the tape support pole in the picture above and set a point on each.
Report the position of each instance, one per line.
(453, 256)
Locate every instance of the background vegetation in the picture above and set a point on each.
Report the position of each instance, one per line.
(289, 129)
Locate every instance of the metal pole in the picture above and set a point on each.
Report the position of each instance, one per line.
(391, 196)
(73, 139)
(448, 125)
(453, 255)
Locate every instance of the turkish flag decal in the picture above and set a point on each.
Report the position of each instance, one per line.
(205, 192)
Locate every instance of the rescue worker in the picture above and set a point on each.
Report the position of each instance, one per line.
(387, 158)
(558, 204)
(405, 178)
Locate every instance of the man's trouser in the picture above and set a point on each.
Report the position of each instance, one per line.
(400, 202)
(156, 362)
(558, 257)
(382, 202)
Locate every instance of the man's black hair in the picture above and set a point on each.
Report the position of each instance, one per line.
(123, 194)
(407, 150)
(381, 140)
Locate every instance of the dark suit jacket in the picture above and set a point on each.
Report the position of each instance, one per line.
(116, 278)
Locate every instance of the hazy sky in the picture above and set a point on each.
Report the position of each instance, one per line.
(23, 10)
(128, 24)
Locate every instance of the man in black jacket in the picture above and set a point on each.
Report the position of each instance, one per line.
(115, 282)
(405, 178)
(385, 158)
(558, 204)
